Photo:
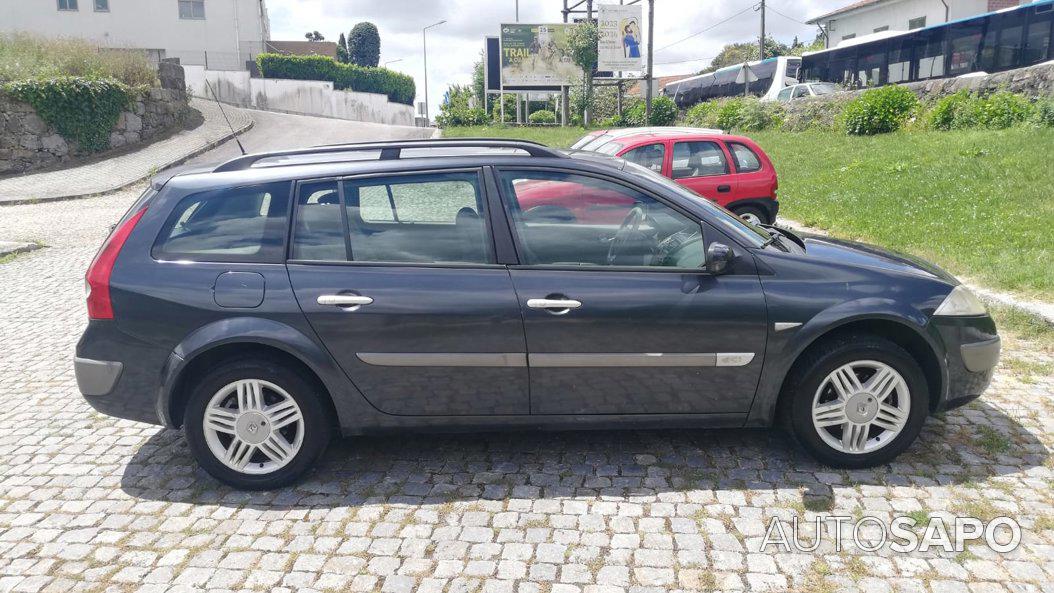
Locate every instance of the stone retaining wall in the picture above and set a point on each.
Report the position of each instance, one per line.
(28, 143)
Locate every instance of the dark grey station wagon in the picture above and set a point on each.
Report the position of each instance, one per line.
(278, 299)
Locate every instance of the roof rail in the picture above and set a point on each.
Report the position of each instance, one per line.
(392, 149)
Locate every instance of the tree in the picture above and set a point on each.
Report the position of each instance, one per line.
(342, 49)
(582, 43)
(314, 36)
(479, 83)
(364, 45)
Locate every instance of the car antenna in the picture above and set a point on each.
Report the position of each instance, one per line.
(224, 113)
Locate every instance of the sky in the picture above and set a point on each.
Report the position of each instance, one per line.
(455, 45)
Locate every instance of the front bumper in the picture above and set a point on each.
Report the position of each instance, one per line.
(971, 355)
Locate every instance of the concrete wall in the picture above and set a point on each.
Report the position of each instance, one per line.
(304, 97)
(29, 143)
(231, 32)
(896, 15)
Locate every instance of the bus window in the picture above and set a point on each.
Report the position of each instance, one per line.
(963, 45)
(1037, 40)
(930, 58)
(1008, 49)
(899, 69)
(869, 68)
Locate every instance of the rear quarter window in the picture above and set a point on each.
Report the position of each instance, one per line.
(747, 161)
(243, 224)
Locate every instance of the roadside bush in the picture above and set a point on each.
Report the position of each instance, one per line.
(398, 87)
(663, 113)
(1043, 113)
(1002, 110)
(461, 116)
(729, 113)
(947, 113)
(81, 109)
(24, 56)
(879, 111)
(542, 117)
(702, 115)
(814, 114)
(755, 115)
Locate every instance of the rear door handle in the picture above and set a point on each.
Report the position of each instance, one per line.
(344, 300)
(564, 304)
(724, 188)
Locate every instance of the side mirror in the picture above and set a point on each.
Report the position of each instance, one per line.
(718, 256)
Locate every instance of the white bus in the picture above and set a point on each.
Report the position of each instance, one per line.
(773, 74)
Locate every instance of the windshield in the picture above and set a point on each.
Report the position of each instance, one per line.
(609, 148)
(595, 142)
(824, 88)
(755, 236)
(584, 140)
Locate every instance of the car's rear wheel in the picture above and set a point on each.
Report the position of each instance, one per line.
(857, 401)
(752, 214)
(255, 424)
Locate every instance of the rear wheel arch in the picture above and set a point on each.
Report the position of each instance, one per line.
(899, 333)
(228, 352)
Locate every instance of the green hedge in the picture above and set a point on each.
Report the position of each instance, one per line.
(81, 109)
(738, 113)
(881, 110)
(542, 117)
(398, 87)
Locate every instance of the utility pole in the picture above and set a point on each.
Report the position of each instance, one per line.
(651, 62)
(761, 40)
(424, 51)
(587, 117)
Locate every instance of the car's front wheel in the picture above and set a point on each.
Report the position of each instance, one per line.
(753, 215)
(255, 424)
(858, 401)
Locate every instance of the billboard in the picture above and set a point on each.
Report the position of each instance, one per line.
(619, 38)
(537, 56)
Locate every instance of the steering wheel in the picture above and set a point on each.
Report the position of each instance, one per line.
(631, 243)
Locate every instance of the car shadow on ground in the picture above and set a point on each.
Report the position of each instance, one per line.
(963, 446)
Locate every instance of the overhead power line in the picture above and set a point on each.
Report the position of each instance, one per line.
(790, 18)
(713, 26)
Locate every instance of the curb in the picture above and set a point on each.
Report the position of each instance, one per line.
(1039, 309)
(174, 162)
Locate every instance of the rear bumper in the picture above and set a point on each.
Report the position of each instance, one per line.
(971, 355)
(117, 374)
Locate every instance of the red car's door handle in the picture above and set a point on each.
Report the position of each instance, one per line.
(724, 188)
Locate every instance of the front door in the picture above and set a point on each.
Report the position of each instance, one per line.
(620, 316)
(702, 166)
(396, 274)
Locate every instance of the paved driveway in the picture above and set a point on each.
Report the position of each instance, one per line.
(88, 502)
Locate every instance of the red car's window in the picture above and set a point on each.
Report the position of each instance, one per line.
(747, 160)
(649, 156)
(698, 159)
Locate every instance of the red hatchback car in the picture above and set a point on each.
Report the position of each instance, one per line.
(730, 170)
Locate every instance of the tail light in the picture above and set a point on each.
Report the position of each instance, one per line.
(97, 280)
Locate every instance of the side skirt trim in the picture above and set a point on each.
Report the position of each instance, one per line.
(570, 360)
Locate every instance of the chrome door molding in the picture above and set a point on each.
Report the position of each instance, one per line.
(547, 360)
(443, 359)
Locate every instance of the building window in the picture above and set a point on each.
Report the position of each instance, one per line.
(882, 28)
(917, 23)
(67, 4)
(192, 9)
(849, 36)
(102, 5)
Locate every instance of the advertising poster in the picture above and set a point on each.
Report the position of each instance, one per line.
(537, 55)
(620, 39)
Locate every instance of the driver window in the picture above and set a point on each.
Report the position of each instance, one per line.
(565, 219)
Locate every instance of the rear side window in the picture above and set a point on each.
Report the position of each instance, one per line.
(243, 224)
(649, 156)
(425, 218)
(698, 159)
(746, 160)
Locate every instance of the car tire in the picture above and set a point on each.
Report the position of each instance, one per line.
(245, 399)
(752, 214)
(877, 419)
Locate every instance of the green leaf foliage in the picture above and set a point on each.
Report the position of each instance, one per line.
(542, 117)
(879, 111)
(364, 45)
(397, 86)
(663, 113)
(81, 109)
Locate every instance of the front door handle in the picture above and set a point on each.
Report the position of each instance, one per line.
(724, 188)
(554, 305)
(353, 301)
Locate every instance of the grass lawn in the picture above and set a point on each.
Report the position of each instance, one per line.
(978, 202)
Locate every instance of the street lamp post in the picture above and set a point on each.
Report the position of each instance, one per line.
(385, 65)
(424, 46)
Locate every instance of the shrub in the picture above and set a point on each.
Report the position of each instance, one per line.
(947, 111)
(24, 56)
(663, 113)
(1043, 113)
(81, 109)
(1002, 110)
(755, 115)
(814, 114)
(398, 87)
(461, 116)
(542, 117)
(702, 115)
(881, 110)
(729, 114)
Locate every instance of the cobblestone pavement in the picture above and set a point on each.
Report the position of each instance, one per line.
(88, 502)
(119, 171)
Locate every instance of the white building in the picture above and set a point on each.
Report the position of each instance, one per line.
(866, 17)
(222, 33)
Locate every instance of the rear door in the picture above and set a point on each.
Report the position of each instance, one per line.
(397, 275)
(703, 167)
(752, 179)
(620, 316)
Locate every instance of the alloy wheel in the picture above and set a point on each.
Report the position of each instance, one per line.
(861, 407)
(253, 426)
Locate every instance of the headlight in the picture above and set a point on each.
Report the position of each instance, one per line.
(960, 301)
